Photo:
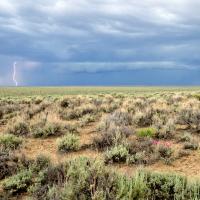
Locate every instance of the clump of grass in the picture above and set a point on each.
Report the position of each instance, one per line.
(10, 142)
(69, 142)
(146, 132)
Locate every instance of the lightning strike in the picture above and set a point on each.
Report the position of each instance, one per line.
(14, 74)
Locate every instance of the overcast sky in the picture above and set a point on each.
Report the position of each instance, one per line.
(100, 42)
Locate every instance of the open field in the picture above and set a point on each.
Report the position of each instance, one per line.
(59, 91)
(100, 143)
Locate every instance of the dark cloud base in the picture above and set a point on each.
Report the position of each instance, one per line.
(150, 77)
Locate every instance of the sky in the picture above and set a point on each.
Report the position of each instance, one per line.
(100, 42)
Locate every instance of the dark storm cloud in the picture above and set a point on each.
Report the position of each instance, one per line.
(92, 36)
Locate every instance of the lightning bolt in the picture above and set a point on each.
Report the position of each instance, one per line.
(14, 74)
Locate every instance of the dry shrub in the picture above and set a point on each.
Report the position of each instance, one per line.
(64, 103)
(111, 135)
(77, 112)
(47, 130)
(185, 137)
(189, 114)
(8, 164)
(165, 126)
(192, 145)
(36, 109)
(87, 119)
(1, 114)
(142, 118)
(19, 128)
(113, 129)
(142, 151)
(118, 118)
(183, 153)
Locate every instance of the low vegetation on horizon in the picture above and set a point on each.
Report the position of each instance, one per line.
(99, 143)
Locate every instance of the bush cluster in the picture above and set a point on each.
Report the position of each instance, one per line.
(69, 142)
(9, 142)
(83, 178)
(19, 128)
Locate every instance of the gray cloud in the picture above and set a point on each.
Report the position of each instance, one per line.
(99, 35)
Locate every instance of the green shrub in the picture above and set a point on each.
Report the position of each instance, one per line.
(133, 188)
(50, 129)
(69, 142)
(150, 185)
(84, 178)
(53, 193)
(165, 186)
(41, 162)
(117, 154)
(53, 129)
(19, 183)
(146, 132)
(37, 132)
(9, 141)
(46, 180)
(89, 179)
(19, 129)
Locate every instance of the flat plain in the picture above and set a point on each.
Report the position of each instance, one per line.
(99, 143)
